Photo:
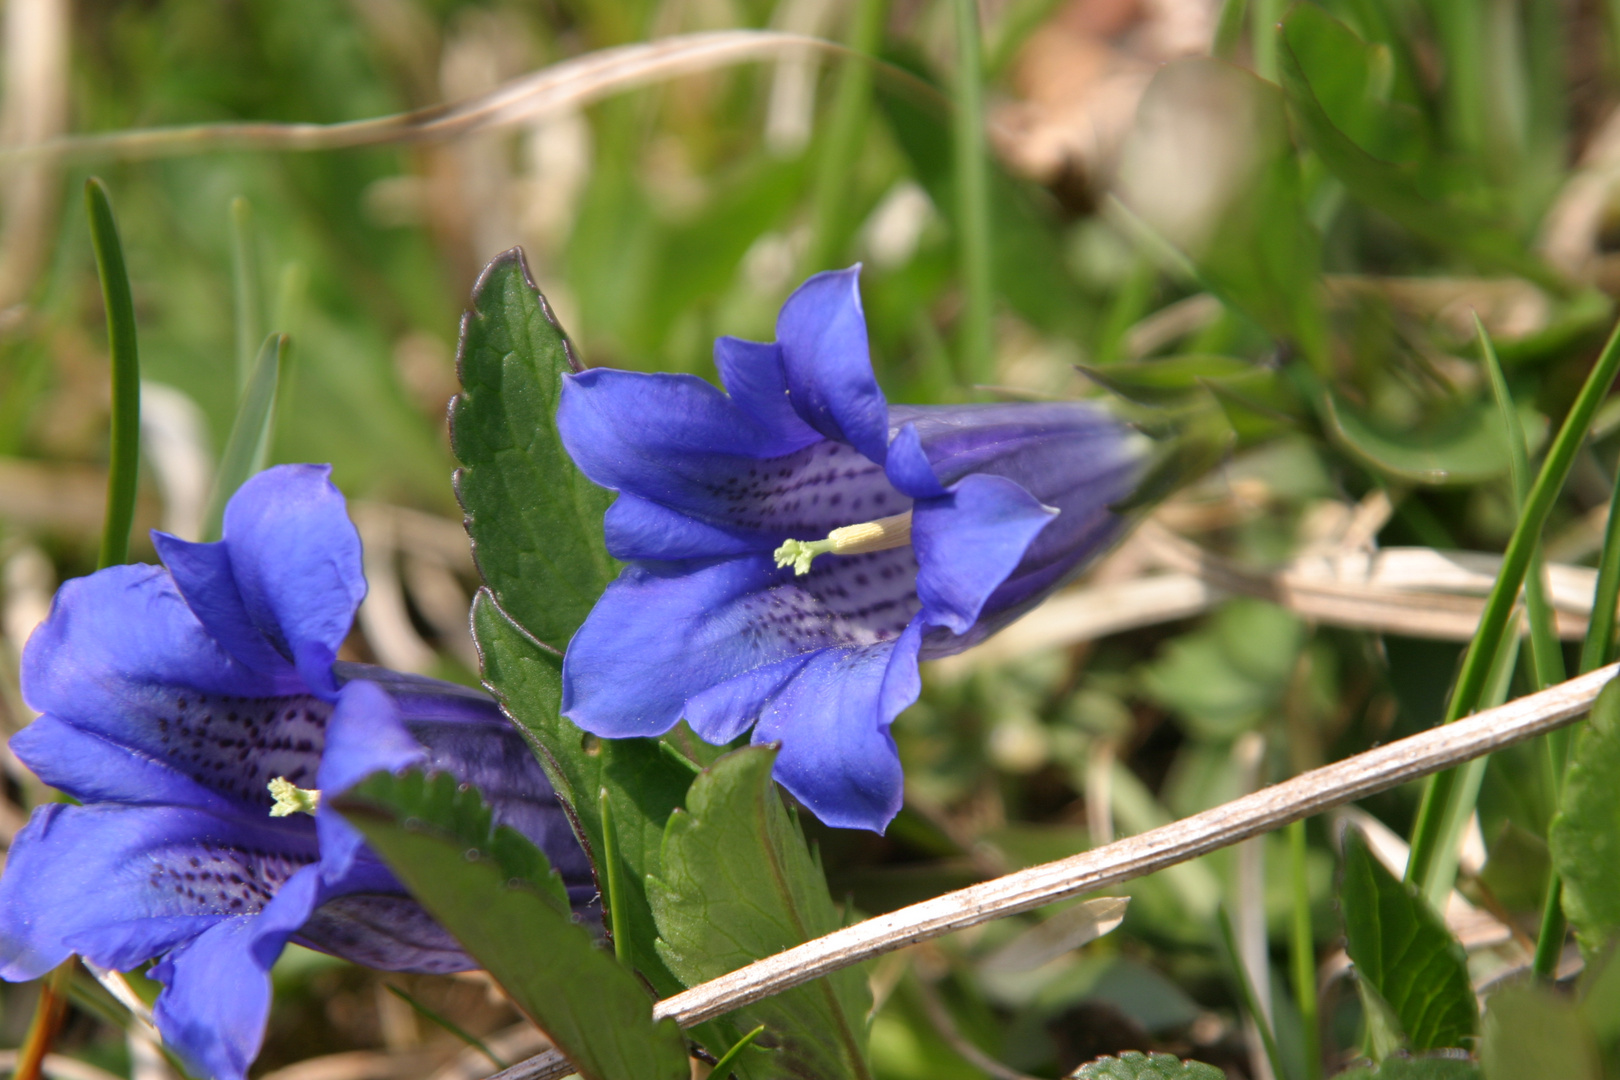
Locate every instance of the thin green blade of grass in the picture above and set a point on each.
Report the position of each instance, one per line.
(124, 465)
(1481, 652)
(975, 332)
(1251, 1001)
(248, 444)
(245, 288)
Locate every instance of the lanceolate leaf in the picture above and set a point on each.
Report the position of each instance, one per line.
(495, 892)
(535, 521)
(1404, 952)
(643, 783)
(739, 883)
(1585, 835)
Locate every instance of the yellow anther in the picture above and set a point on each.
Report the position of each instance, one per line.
(292, 799)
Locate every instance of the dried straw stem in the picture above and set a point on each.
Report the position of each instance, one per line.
(1270, 808)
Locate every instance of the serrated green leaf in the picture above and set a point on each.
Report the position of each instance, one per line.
(643, 783)
(1531, 1032)
(1585, 833)
(534, 519)
(738, 884)
(1135, 1065)
(496, 893)
(1404, 952)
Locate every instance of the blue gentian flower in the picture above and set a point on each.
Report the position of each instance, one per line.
(172, 700)
(796, 545)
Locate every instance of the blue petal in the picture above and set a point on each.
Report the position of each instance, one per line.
(908, 467)
(659, 436)
(121, 656)
(216, 995)
(363, 736)
(202, 573)
(295, 558)
(120, 884)
(659, 634)
(93, 769)
(753, 377)
(832, 721)
(386, 932)
(639, 529)
(721, 713)
(822, 332)
(968, 542)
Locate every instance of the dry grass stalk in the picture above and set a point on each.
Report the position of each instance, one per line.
(1270, 808)
(551, 91)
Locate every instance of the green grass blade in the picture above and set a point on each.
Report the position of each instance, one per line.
(248, 445)
(123, 468)
(245, 287)
(973, 201)
(1481, 652)
(1302, 952)
(846, 132)
(728, 1061)
(1251, 1003)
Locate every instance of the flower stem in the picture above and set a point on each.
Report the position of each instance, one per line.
(972, 200)
(49, 1013)
(126, 376)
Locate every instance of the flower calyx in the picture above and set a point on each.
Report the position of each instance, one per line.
(292, 799)
(879, 535)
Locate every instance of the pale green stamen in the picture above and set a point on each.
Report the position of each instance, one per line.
(879, 535)
(292, 799)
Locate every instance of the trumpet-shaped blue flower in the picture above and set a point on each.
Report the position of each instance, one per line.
(172, 700)
(796, 545)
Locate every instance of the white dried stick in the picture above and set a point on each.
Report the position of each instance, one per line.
(1270, 808)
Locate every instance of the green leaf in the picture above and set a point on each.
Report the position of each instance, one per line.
(535, 521)
(644, 784)
(738, 884)
(1464, 447)
(1225, 677)
(1135, 1065)
(1414, 196)
(1530, 1031)
(1405, 953)
(248, 444)
(1237, 213)
(497, 894)
(1585, 833)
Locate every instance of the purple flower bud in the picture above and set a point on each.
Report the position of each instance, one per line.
(170, 699)
(796, 545)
